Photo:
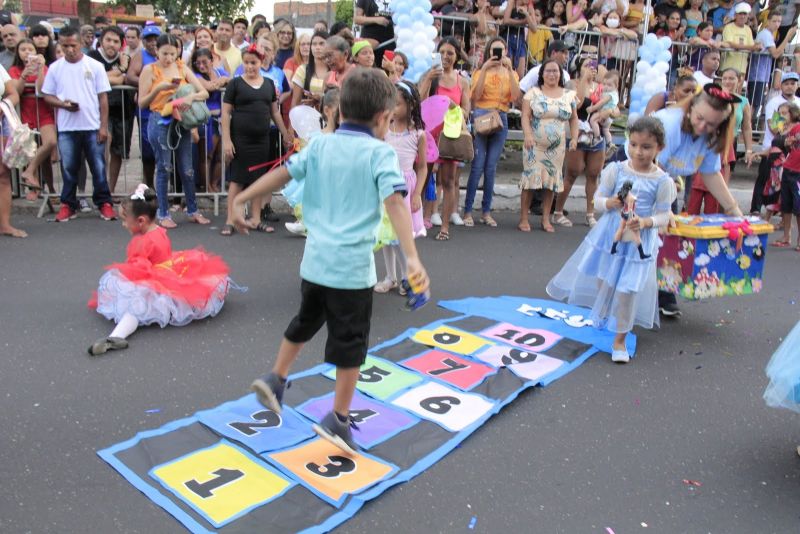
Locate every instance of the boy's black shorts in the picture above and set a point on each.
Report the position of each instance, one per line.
(347, 312)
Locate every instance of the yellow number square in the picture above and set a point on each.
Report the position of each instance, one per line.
(221, 482)
(451, 339)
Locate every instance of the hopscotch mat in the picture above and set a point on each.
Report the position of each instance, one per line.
(242, 468)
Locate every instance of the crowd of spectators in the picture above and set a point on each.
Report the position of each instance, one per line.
(556, 66)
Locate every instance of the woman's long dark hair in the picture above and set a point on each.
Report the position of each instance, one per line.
(49, 52)
(445, 41)
(311, 67)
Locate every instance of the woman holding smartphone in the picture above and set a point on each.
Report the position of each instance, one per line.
(157, 84)
(444, 79)
(496, 86)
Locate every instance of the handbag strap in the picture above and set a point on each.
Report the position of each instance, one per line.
(10, 114)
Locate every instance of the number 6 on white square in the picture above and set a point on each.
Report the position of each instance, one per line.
(452, 409)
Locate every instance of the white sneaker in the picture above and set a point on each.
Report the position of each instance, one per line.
(436, 219)
(620, 356)
(296, 228)
(84, 205)
(456, 219)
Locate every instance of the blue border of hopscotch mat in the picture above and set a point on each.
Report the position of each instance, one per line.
(356, 501)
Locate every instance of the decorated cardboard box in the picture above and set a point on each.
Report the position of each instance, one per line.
(707, 256)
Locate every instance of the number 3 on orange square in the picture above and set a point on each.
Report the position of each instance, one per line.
(329, 472)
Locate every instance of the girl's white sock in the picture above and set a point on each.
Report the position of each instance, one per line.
(125, 327)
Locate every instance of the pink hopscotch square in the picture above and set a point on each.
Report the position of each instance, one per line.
(455, 370)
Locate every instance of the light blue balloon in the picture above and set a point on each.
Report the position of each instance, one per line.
(417, 14)
(636, 93)
(649, 40)
(403, 21)
(664, 55)
(428, 19)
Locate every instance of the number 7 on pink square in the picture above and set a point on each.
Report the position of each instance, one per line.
(449, 368)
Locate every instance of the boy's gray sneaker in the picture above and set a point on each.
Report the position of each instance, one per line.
(337, 432)
(269, 390)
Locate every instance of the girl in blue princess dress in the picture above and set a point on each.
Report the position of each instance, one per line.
(620, 287)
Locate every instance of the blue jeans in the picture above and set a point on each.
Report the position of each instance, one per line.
(487, 153)
(72, 146)
(157, 135)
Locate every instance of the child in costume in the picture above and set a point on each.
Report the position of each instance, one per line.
(348, 175)
(621, 287)
(155, 285)
(783, 371)
(294, 190)
(407, 136)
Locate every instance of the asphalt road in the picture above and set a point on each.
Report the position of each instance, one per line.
(606, 446)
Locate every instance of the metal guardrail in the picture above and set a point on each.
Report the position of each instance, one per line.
(128, 179)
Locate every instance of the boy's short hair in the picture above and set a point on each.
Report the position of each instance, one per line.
(365, 93)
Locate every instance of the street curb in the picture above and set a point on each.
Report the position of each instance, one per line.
(506, 199)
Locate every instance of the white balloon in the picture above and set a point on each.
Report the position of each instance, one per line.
(430, 33)
(661, 67)
(305, 121)
(420, 51)
(418, 27)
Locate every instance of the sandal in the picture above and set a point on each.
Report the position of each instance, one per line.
(524, 227)
(32, 186)
(468, 220)
(442, 236)
(781, 244)
(199, 219)
(264, 227)
(227, 230)
(427, 224)
(385, 285)
(489, 221)
(590, 220)
(548, 228)
(561, 220)
(167, 223)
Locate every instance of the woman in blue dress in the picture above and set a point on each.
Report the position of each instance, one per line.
(698, 130)
(619, 283)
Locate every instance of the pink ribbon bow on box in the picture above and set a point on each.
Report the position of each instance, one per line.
(737, 231)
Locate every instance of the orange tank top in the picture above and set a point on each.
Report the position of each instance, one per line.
(161, 99)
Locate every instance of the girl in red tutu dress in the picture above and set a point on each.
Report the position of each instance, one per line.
(156, 285)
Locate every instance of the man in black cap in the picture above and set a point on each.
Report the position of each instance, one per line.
(558, 51)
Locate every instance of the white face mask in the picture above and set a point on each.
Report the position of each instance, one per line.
(612, 23)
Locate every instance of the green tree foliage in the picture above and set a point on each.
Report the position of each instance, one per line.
(192, 11)
(344, 11)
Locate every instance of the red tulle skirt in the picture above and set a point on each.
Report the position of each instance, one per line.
(191, 285)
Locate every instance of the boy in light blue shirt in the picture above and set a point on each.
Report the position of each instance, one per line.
(348, 175)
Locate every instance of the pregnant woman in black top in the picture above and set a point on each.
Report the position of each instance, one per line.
(250, 102)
